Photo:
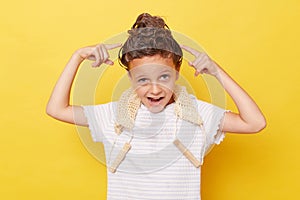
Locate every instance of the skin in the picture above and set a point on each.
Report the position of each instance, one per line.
(249, 118)
(153, 79)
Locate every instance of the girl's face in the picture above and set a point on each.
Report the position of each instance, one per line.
(153, 78)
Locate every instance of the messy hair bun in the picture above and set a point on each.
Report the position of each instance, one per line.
(150, 36)
(146, 20)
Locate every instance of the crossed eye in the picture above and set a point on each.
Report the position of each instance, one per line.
(164, 77)
(143, 80)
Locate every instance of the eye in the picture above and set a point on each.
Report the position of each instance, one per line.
(164, 77)
(142, 81)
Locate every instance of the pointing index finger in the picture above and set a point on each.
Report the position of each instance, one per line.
(190, 50)
(112, 46)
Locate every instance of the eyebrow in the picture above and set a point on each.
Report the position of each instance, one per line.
(166, 70)
(143, 75)
(140, 76)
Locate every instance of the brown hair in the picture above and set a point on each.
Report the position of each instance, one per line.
(150, 36)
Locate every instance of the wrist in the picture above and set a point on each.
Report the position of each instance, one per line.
(77, 56)
(219, 75)
(216, 70)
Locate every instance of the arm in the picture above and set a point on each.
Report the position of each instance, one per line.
(249, 119)
(58, 105)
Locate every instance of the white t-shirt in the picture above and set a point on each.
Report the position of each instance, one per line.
(154, 168)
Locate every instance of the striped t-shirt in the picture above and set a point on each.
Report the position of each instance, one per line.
(154, 168)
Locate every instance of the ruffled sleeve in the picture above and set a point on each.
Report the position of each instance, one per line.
(98, 118)
(212, 117)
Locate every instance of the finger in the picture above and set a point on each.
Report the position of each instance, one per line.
(112, 46)
(196, 62)
(97, 57)
(109, 62)
(104, 52)
(197, 72)
(204, 71)
(106, 56)
(99, 49)
(91, 57)
(89, 54)
(191, 50)
(204, 63)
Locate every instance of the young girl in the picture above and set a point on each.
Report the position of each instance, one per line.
(156, 135)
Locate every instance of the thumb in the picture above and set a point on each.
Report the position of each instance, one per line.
(109, 62)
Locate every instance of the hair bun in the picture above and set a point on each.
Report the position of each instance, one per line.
(150, 36)
(147, 20)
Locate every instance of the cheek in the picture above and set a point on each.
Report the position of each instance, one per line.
(169, 93)
(141, 91)
(169, 86)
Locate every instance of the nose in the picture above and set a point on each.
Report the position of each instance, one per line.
(155, 89)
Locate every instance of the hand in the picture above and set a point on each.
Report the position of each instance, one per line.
(202, 63)
(97, 53)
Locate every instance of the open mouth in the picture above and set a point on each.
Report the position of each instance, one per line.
(154, 100)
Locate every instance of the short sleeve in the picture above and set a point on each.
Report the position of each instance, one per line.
(212, 117)
(99, 117)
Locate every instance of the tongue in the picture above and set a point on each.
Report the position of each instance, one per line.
(154, 100)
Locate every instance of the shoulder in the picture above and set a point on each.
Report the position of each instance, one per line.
(106, 109)
(206, 110)
(99, 107)
(203, 104)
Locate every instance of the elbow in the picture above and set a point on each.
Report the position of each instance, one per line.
(259, 126)
(61, 114)
(51, 112)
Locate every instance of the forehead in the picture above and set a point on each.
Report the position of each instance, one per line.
(154, 60)
(151, 70)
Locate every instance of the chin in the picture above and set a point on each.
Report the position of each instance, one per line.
(156, 109)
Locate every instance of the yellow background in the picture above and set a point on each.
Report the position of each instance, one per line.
(257, 42)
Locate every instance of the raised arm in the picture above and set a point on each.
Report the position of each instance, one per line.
(249, 119)
(58, 105)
